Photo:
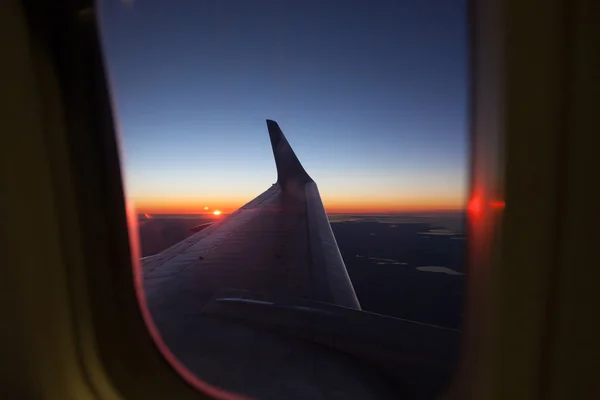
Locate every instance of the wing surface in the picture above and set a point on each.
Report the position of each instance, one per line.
(260, 303)
(280, 244)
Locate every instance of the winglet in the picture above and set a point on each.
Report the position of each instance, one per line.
(289, 169)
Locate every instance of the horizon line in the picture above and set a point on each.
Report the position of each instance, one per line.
(327, 212)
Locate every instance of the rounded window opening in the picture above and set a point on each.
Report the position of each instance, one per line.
(344, 278)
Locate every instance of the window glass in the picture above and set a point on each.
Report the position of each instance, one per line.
(372, 97)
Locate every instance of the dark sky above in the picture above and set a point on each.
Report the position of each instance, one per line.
(372, 95)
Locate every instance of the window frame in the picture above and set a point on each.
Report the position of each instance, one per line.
(86, 334)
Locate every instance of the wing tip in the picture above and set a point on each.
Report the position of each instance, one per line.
(288, 166)
(275, 132)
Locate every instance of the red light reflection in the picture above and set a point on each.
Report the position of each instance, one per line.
(477, 205)
(498, 204)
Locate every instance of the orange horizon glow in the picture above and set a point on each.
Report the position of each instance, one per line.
(191, 206)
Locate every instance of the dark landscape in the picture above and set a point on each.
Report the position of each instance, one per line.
(405, 265)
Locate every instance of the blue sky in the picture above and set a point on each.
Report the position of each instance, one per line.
(372, 96)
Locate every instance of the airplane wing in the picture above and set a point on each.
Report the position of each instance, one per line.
(280, 244)
(260, 303)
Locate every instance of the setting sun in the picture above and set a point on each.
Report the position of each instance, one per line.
(217, 212)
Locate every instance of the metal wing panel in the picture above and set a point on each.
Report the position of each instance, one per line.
(220, 297)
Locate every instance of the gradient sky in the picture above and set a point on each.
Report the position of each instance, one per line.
(372, 96)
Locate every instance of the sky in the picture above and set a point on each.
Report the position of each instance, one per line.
(372, 96)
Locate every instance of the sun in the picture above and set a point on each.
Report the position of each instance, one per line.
(217, 212)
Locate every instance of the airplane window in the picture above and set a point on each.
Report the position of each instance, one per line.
(345, 277)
